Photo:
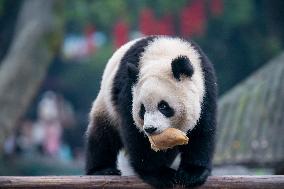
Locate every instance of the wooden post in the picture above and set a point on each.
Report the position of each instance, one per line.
(82, 182)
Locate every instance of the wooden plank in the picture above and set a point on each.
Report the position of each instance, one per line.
(82, 182)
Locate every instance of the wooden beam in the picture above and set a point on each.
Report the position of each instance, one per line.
(82, 182)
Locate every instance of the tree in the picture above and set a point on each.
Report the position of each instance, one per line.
(37, 33)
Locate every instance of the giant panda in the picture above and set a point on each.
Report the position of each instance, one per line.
(148, 85)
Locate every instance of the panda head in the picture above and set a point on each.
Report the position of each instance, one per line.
(170, 87)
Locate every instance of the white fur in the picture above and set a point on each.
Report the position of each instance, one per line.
(124, 165)
(156, 83)
(103, 102)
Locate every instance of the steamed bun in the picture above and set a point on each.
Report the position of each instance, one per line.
(168, 139)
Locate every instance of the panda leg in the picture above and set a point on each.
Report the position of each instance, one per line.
(159, 177)
(152, 167)
(103, 145)
(196, 158)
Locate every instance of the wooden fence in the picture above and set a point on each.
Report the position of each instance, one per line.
(213, 182)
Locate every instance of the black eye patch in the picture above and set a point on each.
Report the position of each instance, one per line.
(165, 109)
(142, 111)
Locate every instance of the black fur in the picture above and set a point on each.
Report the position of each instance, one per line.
(132, 71)
(151, 166)
(103, 145)
(127, 71)
(181, 66)
(165, 109)
(142, 111)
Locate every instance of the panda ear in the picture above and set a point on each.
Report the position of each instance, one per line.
(132, 71)
(181, 66)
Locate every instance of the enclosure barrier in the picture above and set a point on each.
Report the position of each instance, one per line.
(228, 182)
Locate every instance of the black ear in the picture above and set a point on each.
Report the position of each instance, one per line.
(132, 71)
(181, 66)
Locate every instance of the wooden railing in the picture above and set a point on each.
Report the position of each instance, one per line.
(213, 182)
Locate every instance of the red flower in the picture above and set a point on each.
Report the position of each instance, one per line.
(193, 19)
(120, 33)
(89, 31)
(216, 7)
(149, 25)
(147, 22)
(165, 26)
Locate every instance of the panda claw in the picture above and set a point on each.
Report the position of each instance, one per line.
(107, 171)
(189, 178)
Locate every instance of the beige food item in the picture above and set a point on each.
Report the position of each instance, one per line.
(169, 138)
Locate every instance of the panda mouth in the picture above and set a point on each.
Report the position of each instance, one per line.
(151, 130)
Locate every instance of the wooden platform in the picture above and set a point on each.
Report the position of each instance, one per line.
(228, 182)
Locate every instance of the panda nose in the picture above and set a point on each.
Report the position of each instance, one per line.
(150, 130)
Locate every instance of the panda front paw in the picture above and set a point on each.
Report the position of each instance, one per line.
(192, 176)
(106, 171)
(164, 178)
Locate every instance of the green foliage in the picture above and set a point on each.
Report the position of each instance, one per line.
(164, 6)
(2, 7)
(103, 14)
(238, 12)
(239, 42)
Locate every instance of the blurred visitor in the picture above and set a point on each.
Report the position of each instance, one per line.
(45, 135)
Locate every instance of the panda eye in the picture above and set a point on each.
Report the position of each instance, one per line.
(165, 109)
(163, 106)
(142, 111)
